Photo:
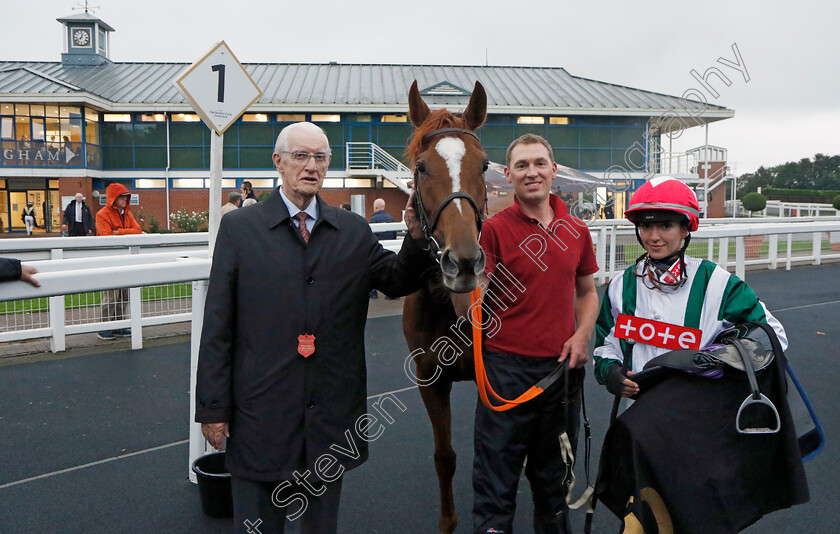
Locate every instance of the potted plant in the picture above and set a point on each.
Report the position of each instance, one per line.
(753, 202)
(834, 237)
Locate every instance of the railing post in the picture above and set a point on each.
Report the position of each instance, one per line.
(773, 252)
(817, 248)
(740, 268)
(724, 252)
(602, 255)
(58, 318)
(789, 253)
(613, 248)
(135, 308)
(711, 252)
(198, 445)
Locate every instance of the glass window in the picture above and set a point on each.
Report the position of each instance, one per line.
(153, 117)
(399, 117)
(184, 117)
(38, 129)
(558, 120)
(22, 109)
(117, 135)
(522, 129)
(7, 109)
(333, 183)
(230, 157)
(116, 117)
(255, 117)
(361, 118)
(150, 134)
(149, 183)
(496, 136)
(326, 118)
(91, 115)
(52, 111)
(68, 111)
(255, 158)
(118, 158)
(92, 132)
(36, 110)
(358, 182)
(293, 117)
(595, 137)
(625, 137)
(102, 41)
(256, 134)
(568, 158)
(194, 183)
(393, 134)
(53, 184)
(564, 136)
(186, 134)
(149, 157)
(496, 154)
(187, 158)
(262, 183)
(22, 128)
(595, 160)
(71, 130)
(53, 129)
(530, 120)
(7, 128)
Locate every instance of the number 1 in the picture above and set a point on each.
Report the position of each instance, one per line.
(220, 68)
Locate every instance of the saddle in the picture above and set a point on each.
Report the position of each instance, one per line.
(745, 348)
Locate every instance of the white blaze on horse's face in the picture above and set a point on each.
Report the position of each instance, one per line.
(452, 150)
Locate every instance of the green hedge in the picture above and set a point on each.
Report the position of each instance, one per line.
(800, 195)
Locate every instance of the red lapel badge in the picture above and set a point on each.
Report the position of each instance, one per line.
(306, 345)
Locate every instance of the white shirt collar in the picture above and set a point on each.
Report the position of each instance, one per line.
(311, 209)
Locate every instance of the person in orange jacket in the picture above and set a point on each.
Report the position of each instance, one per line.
(115, 219)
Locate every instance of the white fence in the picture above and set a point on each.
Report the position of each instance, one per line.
(160, 270)
(777, 208)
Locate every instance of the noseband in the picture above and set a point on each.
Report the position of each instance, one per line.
(422, 216)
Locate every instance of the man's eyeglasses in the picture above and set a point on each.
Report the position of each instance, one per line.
(302, 158)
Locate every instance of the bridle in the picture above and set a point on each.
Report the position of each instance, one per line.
(423, 217)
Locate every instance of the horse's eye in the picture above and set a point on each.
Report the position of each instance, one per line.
(421, 167)
(485, 166)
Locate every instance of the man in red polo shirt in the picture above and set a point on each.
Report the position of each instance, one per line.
(540, 282)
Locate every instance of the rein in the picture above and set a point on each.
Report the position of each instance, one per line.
(428, 224)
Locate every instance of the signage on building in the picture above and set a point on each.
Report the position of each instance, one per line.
(218, 87)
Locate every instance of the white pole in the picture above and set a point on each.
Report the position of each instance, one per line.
(166, 171)
(216, 143)
(706, 174)
(198, 445)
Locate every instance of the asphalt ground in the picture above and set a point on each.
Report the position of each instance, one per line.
(96, 442)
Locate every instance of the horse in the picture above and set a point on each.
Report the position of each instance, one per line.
(448, 164)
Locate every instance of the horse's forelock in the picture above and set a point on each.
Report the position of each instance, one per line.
(438, 119)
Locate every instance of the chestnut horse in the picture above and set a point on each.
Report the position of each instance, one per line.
(448, 163)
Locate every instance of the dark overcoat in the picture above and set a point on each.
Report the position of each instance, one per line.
(70, 219)
(267, 287)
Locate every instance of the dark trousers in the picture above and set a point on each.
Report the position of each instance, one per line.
(503, 441)
(254, 512)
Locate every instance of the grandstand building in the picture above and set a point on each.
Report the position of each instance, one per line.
(83, 122)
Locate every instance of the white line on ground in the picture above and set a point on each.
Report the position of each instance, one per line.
(144, 451)
(91, 464)
(807, 306)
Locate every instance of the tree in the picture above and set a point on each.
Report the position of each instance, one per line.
(821, 172)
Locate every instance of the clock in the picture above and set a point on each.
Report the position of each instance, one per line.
(81, 37)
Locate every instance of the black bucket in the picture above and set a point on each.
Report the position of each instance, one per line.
(214, 485)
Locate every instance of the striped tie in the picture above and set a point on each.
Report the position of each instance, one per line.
(304, 231)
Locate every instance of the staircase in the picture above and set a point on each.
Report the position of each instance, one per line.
(370, 160)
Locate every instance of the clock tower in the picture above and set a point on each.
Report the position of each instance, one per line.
(86, 40)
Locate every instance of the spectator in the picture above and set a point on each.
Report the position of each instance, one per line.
(115, 218)
(346, 206)
(78, 220)
(247, 191)
(249, 202)
(381, 216)
(27, 216)
(234, 200)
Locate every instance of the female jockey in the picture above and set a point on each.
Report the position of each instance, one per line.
(680, 294)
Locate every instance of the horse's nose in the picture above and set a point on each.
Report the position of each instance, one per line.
(452, 265)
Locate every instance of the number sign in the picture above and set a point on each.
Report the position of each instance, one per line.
(218, 87)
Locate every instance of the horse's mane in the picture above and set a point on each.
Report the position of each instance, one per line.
(437, 119)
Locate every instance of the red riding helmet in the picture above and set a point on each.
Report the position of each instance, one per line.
(667, 194)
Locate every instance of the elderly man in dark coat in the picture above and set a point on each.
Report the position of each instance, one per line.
(281, 369)
(78, 220)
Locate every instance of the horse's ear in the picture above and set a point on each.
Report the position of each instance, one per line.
(417, 109)
(476, 111)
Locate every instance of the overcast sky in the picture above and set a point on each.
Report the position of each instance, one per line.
(788, 110)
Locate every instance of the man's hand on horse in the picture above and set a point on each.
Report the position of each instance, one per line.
(576, 348)
(410, 217)
(215, 433)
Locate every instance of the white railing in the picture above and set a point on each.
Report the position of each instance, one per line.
(724, 241)
(777, 208)
(372, 156)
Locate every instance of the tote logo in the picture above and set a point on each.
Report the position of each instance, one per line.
(657, 333)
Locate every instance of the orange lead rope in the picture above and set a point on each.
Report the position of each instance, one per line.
(481, 375)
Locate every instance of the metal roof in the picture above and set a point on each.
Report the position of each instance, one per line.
(86, 17)
(348, 87)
